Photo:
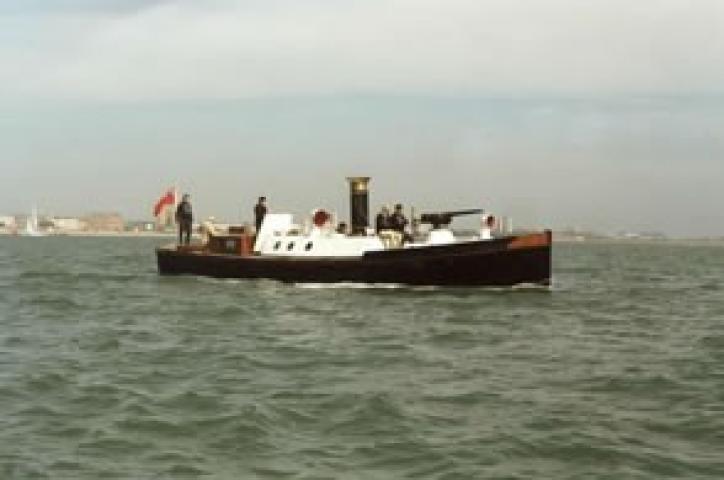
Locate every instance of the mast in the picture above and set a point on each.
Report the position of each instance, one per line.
(34, 219)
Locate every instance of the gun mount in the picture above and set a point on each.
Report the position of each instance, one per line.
(443, 219)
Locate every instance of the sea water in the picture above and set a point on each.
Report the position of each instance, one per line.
(108, 370)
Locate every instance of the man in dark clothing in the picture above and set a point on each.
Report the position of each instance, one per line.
(398, 221)
(382, 221)
(259, 213)
(184, 218)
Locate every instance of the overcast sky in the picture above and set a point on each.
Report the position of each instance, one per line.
(601, 114)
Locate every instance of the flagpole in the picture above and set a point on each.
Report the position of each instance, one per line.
(158, 218)
(175, 201)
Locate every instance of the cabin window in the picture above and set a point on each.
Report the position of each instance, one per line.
(308, 246)
(290, 246)
(277, 245)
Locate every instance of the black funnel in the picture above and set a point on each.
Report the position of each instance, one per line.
(359, 204)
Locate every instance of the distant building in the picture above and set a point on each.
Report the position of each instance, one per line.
(140, 226)
(68, 224)
(167, 220)
(104, 222)
(505, 225)
(7, 222)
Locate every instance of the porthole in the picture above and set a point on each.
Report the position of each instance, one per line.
(308, 246)
(277, 245)
(290, 246)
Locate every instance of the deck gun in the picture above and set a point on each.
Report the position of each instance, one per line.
(443, 219)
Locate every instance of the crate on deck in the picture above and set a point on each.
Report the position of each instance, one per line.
(237, 242)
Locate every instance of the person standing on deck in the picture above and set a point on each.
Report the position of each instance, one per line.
(382, 221)
(259, 213)
(185, 219)
(399, 222)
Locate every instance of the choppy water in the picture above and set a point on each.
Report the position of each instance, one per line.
(109, 371)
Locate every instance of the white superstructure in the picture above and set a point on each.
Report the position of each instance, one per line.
(279, 236)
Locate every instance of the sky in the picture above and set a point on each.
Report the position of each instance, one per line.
(594, 114)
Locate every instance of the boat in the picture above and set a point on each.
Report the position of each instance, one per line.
(321, 253)
(31, 225)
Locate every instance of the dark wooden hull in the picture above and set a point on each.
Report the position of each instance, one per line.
(523, 259)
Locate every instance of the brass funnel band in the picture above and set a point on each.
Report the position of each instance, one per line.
(358, 184)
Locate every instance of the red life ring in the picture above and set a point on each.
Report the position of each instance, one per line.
(320, 218)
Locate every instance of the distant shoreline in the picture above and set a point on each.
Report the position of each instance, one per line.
(98, 234)
(565, 240)
(640, 241)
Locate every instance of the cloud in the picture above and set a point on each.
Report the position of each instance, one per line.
(236, 49)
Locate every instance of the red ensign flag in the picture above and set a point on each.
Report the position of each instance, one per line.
(168, 198)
